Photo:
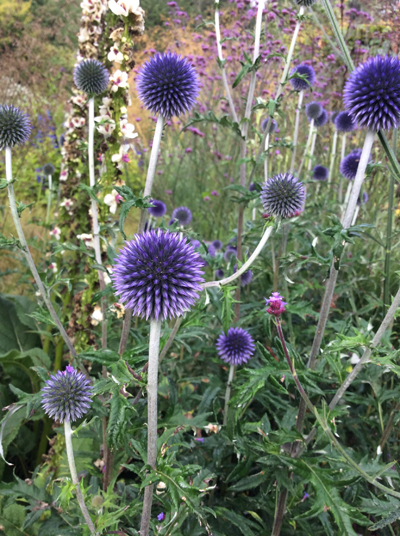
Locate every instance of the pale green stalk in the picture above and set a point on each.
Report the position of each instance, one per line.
(308, 144)
(232, 369)
(49, 197)
(333, 156)
(296, 131)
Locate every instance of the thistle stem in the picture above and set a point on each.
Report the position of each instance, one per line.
(340, 196)
(152, 384)
(333, 156)
(389, 226)
(311, 155)
(266, 155)
(28, 256)
(296, 131)
(74, 476)
(228, 393)
(309, 140)
(245, 266)
(50, 184)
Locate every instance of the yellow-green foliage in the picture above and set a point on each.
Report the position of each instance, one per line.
(16, 9)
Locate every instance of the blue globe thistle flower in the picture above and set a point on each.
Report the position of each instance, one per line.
(246, 277)
(217, 244)
(182, 215)
(365, 198)
(349, 165)
(322, 119)
(49, 169)
(273, 125)
(301, 85)
(252, 187)
(283, 195)
(313, 110)
(344, 122)
(211, 250)
(15, 126)
(195, 243)
(320, 173)
(158, 210)
(158, 275)
(66, 396)
(167, 84)
(236, 347)
(372, 93)
(230, 252)
(219, 273)
(91, 77)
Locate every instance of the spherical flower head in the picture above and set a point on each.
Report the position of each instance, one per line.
(305, 3)
(349, 165)
(364, 199)
(158, 275)
(91, 77)
(236, 347)
(305, 70)
(66, 396)
(322, 119)
(217, 244)
(372, 93)
(15, 126)
(276, 305)
(158, 210)
(195, 243)
(320, 173)
(313, 110)
(344, 122)
(246, 277)
(48, 169)
(219, 274)
(270, 125)
(211, 250)
(230, 252)
(182, 215)
(167, 84)
(282, 195)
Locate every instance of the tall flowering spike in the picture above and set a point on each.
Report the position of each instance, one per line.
(313, 110)
(15, 126)
(276, 305)
(168, 85)
(158, 210)
(182, 215)
(236, 347)
(283, 195)
(158, 275)
(306, 70)
(344, 122)
(372, 93)
(320, 173)
(349, 165)
(67, 395)
(273, 125)
(91, 77)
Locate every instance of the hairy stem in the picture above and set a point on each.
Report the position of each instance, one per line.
(389, 227)
(152, 384)
(74, 476)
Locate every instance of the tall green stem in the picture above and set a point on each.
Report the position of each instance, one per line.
(152, 385)
(232, 369)
(333, 156)
(296, 131)
(389, 226)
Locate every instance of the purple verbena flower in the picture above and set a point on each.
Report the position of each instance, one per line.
(158, 275)
(236, 347)
(67, 395)
(158, 210)
(167, 84)
(276, 304)
(161, 516)
(15, 126)
(301, 85)
(282, 195)
(372, 93)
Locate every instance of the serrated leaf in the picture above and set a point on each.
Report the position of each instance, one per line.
(118, 419)
(104, 357)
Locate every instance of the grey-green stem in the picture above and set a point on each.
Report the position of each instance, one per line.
(333, 156)
(296, 131)
(152, 385)
(74, 476)
(232, 369)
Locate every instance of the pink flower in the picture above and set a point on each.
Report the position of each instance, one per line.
(276, 304)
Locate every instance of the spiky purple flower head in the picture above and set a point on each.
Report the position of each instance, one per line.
(269, 124)
(182, 215)
(158, 275)
(372, 93)
(66, 396)
(344, 122)
(313, 110)
(167, 84)
(309, 74)
(322, 119)
(246, 277)
(282, 195)
(320, 173)
(15, 126)
(236, 347)
(364, 199)
(217, 244)
(230, 252)
(219, 274)
(349, 165)
(158, 210)
(91, 77)
(276, 305)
